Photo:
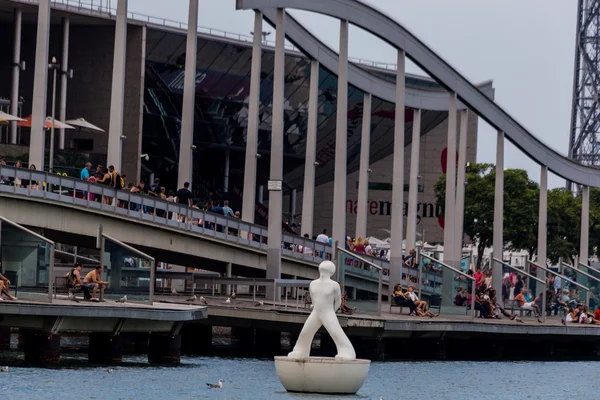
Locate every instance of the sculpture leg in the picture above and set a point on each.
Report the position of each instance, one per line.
(342, 343)
(310, 328)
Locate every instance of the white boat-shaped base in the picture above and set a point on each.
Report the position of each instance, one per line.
(323, 375)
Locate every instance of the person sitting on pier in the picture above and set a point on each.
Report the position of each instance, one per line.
(93, 281)
(497, 310)
(74, 277)
(461, 297)
(4, 282)
(401, 299)
(421, 304)
(572, 316)
(481, 304)
(526, 303)
(344, 306)
(586, 317)
(558, 303)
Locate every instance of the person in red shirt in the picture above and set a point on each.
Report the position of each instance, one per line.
(597, 313)
(478, 278)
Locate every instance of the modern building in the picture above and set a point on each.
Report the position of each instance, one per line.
(153, 97)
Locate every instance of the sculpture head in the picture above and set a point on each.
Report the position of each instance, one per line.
(326, 269)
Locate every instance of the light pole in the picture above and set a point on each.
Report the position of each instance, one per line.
(54, 66)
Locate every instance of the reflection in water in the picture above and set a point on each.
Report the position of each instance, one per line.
(256, 379)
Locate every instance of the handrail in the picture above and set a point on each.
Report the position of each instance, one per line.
(588, 266)
(359, 258)
(132, 249)
(78, 256)
(8, 221)
(447, 266)
(577, 270)
(519, 271)
(559, 275)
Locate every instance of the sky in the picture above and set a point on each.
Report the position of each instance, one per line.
(526, 47)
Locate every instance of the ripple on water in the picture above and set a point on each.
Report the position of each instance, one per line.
(256, 379)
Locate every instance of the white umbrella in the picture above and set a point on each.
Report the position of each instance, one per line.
(83, 124)
(58, 124)
(7, 117)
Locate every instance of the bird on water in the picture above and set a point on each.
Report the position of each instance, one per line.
(4, 369)
(218, 385)
(203, 300)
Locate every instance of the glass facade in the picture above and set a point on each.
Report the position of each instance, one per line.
(221, 116)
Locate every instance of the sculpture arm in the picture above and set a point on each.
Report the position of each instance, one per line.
(337, 302)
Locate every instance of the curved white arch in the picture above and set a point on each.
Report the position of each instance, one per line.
(360, 77)
(384, 27)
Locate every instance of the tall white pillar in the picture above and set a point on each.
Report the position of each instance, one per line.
(398, 179)
(450, 205)
(261, 195)
(413, 189)
(276, 171)
(543, 222)
(14, 94)
(363, 174)
(249, 194)
(40, 86)
(585, 225)
(341, 147)
(308, 194)
(117, 97)
(498, 239)
(64, 67)
(460, 186)
(226, 172)
(189, 99)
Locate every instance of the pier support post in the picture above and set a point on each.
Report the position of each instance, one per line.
(105, 348)
(267, 342)
(4, 338)
(196, 339)
(41, 348)
(164, 349)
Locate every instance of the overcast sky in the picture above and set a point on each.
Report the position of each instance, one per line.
(525, 47)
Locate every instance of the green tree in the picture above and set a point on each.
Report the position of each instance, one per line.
(564, 224)
(521, 199)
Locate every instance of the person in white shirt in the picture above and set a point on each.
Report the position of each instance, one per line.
(323, 238)
(421, 304)
(305, 249)
(368, 248)
(557, 283)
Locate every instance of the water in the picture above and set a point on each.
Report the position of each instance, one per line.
(256, 379)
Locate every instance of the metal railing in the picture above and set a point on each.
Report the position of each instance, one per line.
(587, 295)
(456, 271)
(579, 271)
(42, 238)
(364, 260)
(102, 239)
(527, 274)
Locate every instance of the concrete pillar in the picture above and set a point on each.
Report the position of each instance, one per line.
(413, 189)
(189, 98)
(249, 194)
(228, 274)
(498, 238)
(226, 175)
(41, 348)
(363, 173)
(14, 94)
(64, 67)
(341, 148)
(4, 338)
(460, 187)
(267, 342)
(398, 180)
(117, 96)
(585, 225)
(308, 194)
(449, 230)
(105, 348)
(196, 339)
(40, 87)
(543, 222)
(164, 348)
(293, 197)
(276, 172)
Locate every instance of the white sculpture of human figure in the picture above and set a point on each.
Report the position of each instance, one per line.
(326, 298)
